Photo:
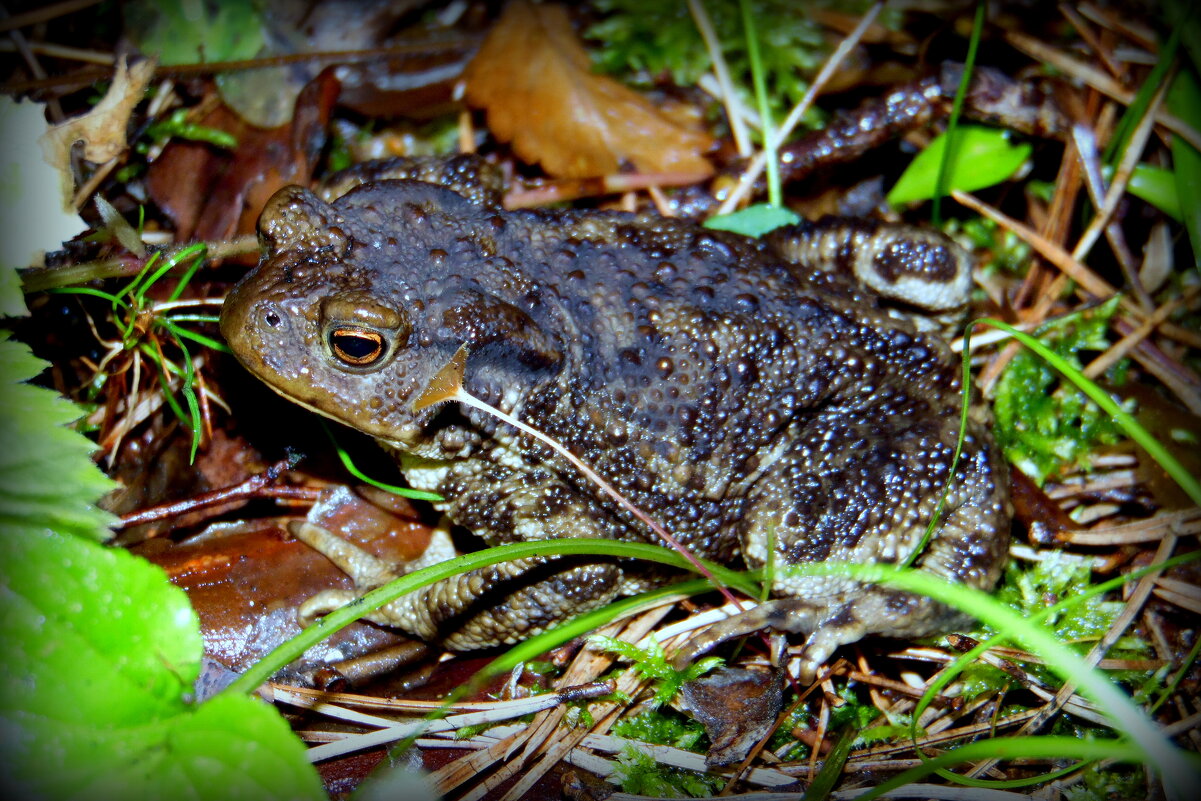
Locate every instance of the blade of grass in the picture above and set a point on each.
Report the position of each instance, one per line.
(348, 463)
(165, 367)
(199, 339)
(951, 151)
(759, 81)
(340, 618)
(1184, 100)
(87, 290)
(1046, 747)
(187, 381)
(1137, 109)
(832, 766)
(197, 253)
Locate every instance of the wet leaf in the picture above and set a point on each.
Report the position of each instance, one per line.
(532, 77)
(100, 652)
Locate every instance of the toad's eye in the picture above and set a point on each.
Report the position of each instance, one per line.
(357, 347)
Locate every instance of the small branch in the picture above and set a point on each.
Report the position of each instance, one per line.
(251, 487)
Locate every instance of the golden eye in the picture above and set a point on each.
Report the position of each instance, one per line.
(356, 346)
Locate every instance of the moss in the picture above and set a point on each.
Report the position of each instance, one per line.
(645, 39)
(663, 726)
(1044, 424)
(640, 774)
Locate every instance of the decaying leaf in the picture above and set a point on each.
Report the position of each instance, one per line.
(215, 194)
(102, 130)
(532, 77)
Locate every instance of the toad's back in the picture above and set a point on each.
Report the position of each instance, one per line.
(746, 402)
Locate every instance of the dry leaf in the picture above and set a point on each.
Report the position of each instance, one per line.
(531, 76)
(102, 130)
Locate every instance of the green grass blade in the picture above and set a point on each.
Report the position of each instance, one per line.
(774, 193)
(1184, 100)
(197, 253)
(352, 468)
(340, 618)
(200, 339)
(948, 156)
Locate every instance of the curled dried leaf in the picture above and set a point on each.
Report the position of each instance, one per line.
(532, 77)
(102, 130)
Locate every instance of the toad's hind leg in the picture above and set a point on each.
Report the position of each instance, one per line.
(499, 604)
(505, 603)
(862, 491)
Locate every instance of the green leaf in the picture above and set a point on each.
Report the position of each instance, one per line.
(194, 31)
(1157, 186)
(754, 221)
(984, 156)
(1184, 100)
(47, 478)
(101, 653)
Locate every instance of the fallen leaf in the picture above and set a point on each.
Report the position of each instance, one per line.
(213, 194)
(102, 130)
(532, 77)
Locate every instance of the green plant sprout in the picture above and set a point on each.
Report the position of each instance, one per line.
(142, 325)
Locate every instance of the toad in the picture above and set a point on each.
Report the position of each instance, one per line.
(747, 394)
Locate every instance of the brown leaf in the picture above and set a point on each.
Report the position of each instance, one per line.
(531, 76)
(102, 130)
(215, 194)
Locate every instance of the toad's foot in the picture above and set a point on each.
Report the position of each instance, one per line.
(875, 611)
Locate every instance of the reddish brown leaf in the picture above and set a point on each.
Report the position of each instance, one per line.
(531, 76)
(212, 194)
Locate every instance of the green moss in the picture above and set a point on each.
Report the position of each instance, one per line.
(1043, 423)
(652, 663)
(1101, 784)
(783, 743)
(1006, 250)
(1032, 589)
(639, 774)
(663, 726)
